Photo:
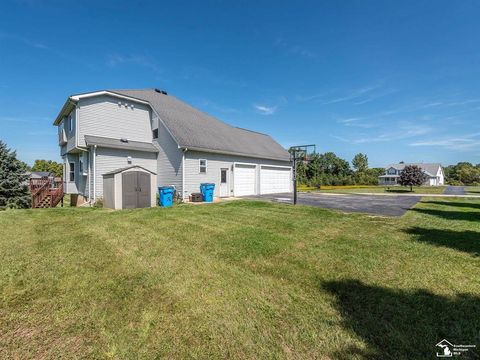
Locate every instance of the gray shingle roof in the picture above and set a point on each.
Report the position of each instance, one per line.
(432, 169)
(119, 144)
(197, 130)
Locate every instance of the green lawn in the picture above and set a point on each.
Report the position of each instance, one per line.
(238, 279)
(387, 190)
(472, 190)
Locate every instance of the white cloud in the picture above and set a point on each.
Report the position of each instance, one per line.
(399, 131)
(465, 142)
(265, 110)
(114, 60)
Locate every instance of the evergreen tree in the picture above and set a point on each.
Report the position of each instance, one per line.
(13, 180)
(360, 162)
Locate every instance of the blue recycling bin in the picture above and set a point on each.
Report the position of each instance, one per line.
(207, 190)
(165, 196)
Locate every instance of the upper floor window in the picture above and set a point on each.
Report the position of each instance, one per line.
(70, 123)
(71, 167)
(202, 164)
(155, 133)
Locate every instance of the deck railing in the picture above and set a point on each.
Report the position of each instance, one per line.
(44, 187)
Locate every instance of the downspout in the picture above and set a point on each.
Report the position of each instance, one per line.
(89, 177)
(183, 172)
(94, 173)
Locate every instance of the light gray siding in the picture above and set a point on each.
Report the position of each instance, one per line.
(109, 117)
(107, 160)
(70, 134)
(215, 162)
(70, 187)
(169, 164)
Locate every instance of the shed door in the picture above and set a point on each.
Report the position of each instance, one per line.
(129, 190)
(143, 193)
(136, 190)
(244, 180)
(274, 179)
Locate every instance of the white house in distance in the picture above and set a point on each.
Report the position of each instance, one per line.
(434, 172)
(112, 132)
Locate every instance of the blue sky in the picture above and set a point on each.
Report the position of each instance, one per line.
(398, 80)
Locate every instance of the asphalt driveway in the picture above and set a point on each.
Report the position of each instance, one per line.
(378, 205)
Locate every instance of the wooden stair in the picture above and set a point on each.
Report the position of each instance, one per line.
(46, 193)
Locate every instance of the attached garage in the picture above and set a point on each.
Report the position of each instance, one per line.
(244, 179)
(129, 188)
(275, 179)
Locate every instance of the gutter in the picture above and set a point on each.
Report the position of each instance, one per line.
(233, 153)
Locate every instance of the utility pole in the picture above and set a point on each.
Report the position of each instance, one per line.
(298, 153)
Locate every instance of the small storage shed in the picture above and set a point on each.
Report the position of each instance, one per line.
(129, 188)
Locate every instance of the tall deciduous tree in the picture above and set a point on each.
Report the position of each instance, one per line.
(13, 180)
(48, 165)
(360, 162)
(411, 175)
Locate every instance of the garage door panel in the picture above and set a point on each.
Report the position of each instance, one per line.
(274, 180)
(244, 180)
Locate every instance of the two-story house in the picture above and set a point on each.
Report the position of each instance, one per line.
(106, 132)
(434, 174)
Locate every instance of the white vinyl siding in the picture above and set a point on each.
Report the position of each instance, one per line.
(103, 116)
(169, 162)
(108, 160)
(215, 162)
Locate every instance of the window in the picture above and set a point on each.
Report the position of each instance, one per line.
(155, 133)
(72, 171)
(80, 167)
(202, 163)
(70, 123)
(223, 176)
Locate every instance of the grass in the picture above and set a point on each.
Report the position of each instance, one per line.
(379, 189)
(238, 279)
(472, 190)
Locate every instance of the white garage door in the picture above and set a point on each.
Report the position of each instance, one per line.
(244, 179)
(274, 179)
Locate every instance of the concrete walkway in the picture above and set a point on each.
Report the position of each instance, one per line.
(455, 190)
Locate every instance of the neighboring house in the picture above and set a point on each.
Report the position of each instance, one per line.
(40, 174)
(434, 173)
(115, 130)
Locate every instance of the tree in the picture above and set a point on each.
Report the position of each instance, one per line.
(412, 175)
(49, 166)
(360, 162)
(301, 172)
(13, 180)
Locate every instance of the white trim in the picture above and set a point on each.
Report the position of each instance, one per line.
(200, 149)
(277, 166)
(105, 92)
(200, 166)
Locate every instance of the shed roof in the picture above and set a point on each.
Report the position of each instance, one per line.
(116, 171)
